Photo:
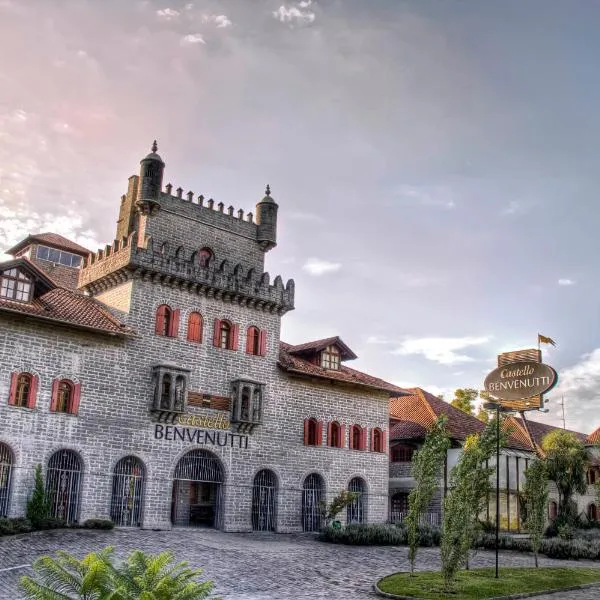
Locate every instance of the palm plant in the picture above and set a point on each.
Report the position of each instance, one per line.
(139, 577)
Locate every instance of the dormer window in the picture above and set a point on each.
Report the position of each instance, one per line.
(330, 358)
(15, 285)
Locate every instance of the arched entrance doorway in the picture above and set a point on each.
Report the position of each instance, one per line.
(313, 491)
(197, 490)
(127, 492)
(6, 464)
(355, 513)
(264, 501)
(63, 483)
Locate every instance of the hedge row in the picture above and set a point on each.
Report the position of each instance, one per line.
(397, 535)
(23, 525)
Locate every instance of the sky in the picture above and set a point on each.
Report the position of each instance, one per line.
(435, 162)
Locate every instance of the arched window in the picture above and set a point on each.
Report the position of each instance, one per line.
(552, 510)
(164, 316)
(64, 400)
(225, 335)
(127, 492)
(312, 432)
(6, 465)
(355, 513)
(357, 437)
(330, 358)
(592, 476)
(24, 388)
(205, 256)
(63, 482)
(253, 341)
(194, 332)
(376, 440)
(336, 435)
(592, 512)
(402, 453)
(165, 392)
(313, 493)
(264, 501)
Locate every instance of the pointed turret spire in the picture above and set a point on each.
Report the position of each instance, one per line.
(154, 146)
(268, 190)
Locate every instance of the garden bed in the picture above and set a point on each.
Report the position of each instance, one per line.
(480, 584)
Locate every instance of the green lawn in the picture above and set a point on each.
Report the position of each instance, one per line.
(480, 584)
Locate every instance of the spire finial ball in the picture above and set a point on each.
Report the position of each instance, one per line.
(268, 190)
(154, 146)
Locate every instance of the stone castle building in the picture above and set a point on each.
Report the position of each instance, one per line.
(149, 380)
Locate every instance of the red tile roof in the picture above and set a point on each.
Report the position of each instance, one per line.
(318, 345)
(295, 364)
(540, 430)
(407, 430)
(60, 305)
(594, 438)
(51, 239)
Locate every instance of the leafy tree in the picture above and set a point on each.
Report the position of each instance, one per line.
(139, 577)
(464, 399)
(338, 504)
(567, 461)
(483, 415)
(536, 501)
(426, 467)
(38, 508)
(469, 488)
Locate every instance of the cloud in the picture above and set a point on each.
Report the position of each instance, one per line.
(512, 208)
(441, 350)
(167, 13)
(219, 20)
(295, 15)
(566, 282)
(377, 339)
(193, 38)
(431, 195)
(318, 267)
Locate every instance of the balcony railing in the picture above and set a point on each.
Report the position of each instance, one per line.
(397, 516)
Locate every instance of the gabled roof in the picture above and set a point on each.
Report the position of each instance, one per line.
(594, 438)
(50, 239)
(318, 345)
(299, 366)
(539, 430)
(60, 305)
(407, 430)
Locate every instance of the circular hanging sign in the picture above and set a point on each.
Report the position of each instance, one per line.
(520, 380)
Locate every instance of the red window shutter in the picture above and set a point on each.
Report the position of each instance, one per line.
(319, 433)
(351, 438)
(54, 397)
(342, 438)
(161, 315)
(384, 447)
(76, 398)
(262, 342)
(249, 340)
(234, 337)
(372, 440)
(329, 430)
(174, 324)
(35, 381)
(194, 333)
(363, 439)
(217, 333)
(12, 394)
(306, 430)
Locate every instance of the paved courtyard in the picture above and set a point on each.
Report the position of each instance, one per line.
(251, 566)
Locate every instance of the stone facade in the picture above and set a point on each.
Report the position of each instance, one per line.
(155, 262)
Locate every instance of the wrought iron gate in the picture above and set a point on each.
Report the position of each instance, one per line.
(264, 500)
(197, 490)
(355, 512)
(313, 491)
(6, 464)
(63, 483)
(127, 492)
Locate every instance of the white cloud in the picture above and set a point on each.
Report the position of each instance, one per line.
(167, 13)
(436, 390)
(440, 350)
(512, 208)
(432, 195)
(377, 339)
(318, 267)
(219, 20)
(305, 3)
(193, 38)
(294, 14)
(566, 282)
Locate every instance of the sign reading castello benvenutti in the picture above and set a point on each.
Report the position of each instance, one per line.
(520, 380)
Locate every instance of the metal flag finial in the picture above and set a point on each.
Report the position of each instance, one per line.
(154, 146)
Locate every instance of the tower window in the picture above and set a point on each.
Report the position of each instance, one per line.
(167, 321)
(330, 358)
(15, 285)
(65, 396)
(357, 437)
(194, 333)
(60, 257)
(23, 389)
(313, 430)
(204, 257)
(336, 435)
(376, 440)
(225, 335)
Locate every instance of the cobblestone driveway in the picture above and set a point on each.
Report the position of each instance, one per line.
(252, 566)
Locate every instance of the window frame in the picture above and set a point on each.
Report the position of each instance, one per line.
(22, 399)
(331, 358)
(195, 336)
(22, 285)
(403, 450)
(335, 438)
(61, 258)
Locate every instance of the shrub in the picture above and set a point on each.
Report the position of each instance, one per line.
(98, 524)
(37, 506)
(12, 526)
(51, 523)
(359, 534)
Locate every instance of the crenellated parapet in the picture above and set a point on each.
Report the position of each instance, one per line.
(181, 267)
